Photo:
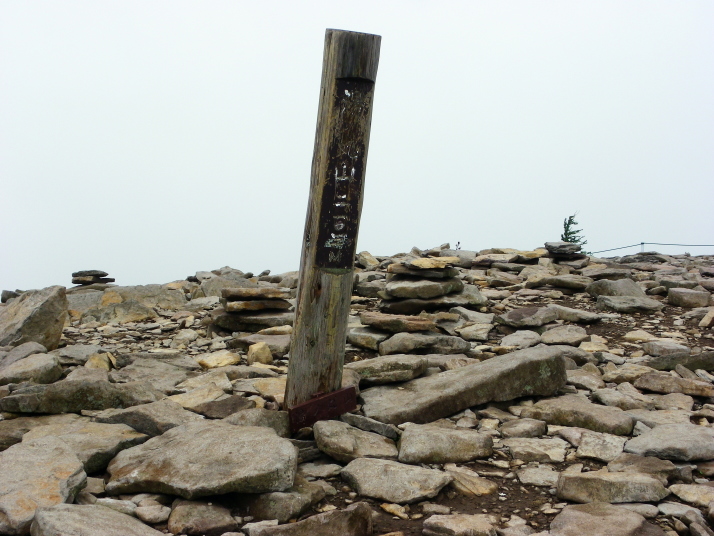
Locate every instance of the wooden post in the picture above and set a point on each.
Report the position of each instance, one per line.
(317, 353)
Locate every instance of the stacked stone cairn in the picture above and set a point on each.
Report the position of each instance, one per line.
(91, 277)
(255, 309)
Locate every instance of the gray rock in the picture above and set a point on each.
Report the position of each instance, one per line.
(214, 286)
(562, 248)
(620, 287)
(119, 313)
(571, 335)
(37, 368)
(473, 316)
(432, 444)
(153, 514)
(206, 458)
(36, 316)
(369, 338)
(345, 443)
(613, 397)
(584, 379)
(663, 348)
(68, 396)
(469, 297)
(12, 430)
(575, 282)
(523, 428)
(534, 371)
(36, 474)
(601, 486)
(370, 425)
(276, 420)
(661, 382)
(601, 519)
(657, 418)
(573, 410)
(253, 322)
(77, 354)
(389, 369)
(603, 447)
(355, 520)
(690, 298)
(200, 519)
(628, 304)
(528, 317)
(83, 300)
(93, 443)
(150, 296)
(397, 323)
(551, 450)
(152, 419)
(574, 315)
(404, 343)
(697, 494)
(683, 442)
(392, 481)
(66, 519)
(474, 331)
(521, 339)
(160, 373)
(626, 462)
(279, 344)
(288, 504)
(542, 475)
(459, 525)
(703, 360)
(401, 287)
(21, 352)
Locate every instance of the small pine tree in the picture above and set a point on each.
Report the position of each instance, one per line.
(570, 233)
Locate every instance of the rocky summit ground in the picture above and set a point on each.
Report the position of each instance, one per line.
(502, 392)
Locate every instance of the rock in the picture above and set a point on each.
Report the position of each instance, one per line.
(573, 410)
(37, 368)
(36, 474)
(276, 420)
(397, 323)
(355, 520)
(370, 425)
(662, 348)
(199, 396)
(584, 379)
(253, 322)
(656, 418)
(432, 444)
(601, 519)
(528, 317)
(534, 371)
(541, 475)
(389, 369)
(575, 282)
(475, 332)
(367, 261)
(568, 314)
(153, 514)
(661, 382)
(634, 463)
(200, 519)
(603, 447)
(77, 354)
(393, 481)
(682, 442)
(468, 482)
(521, 339)
(279, 344)
(613, 397)
(94, 444)
(65, 519)
(161, 373)
(12, 430)
(601, 486)
(223, 407)
(628, 372)
(697, 494)
(628, 304)
(221, 358)
(552, 450)
(571, 335)
(400, 287)
(523, 428)
(256, 305)
(369, 338)
(152, 419)
(562, 248)
(119, 313)
(459, 525)
(703, 360)
(345, 443)
(288, 504)
(21, 352)
(620, 287)
(690, 298)
(469, 297)
(36, 316)
(68, 396)
(147, 295)
(403, 343)
(206, 458)
(216, 376)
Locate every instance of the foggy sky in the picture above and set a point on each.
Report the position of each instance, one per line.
(152, 139)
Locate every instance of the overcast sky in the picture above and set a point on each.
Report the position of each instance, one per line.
(152, 139)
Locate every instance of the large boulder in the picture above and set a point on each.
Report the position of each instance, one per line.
(575, 410)
(601, 519)
(66, 519)
(37, 315)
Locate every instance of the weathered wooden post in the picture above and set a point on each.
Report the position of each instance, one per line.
(317, 352)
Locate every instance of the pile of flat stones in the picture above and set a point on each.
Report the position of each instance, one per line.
(91, 277)
(501, 393)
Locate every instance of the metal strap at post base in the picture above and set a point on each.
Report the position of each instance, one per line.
(322, 407)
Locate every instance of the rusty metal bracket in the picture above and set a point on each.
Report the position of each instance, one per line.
(322, 407)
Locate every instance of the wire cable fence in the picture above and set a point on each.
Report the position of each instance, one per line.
(643, 244)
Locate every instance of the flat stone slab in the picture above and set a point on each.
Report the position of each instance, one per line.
(432, 444)
(36, 474)
(159, 373)
(151, 419)
(345, 443)
(397, 323)
(601, 519)
(389, 369)
(528, 449)
(682, 442)
(12, 430)
(628, 304)
(95, 444)
(533, 371)
(393, 481)
(355, 520)
(422, 288)
(528, 317)
(404, 343)
(601, 486)
(37, 368)
(697, 494)
(574, 410)
(661, 382)
(64, 519)
(469, 297)
(37, 315)
(459, 524)
(206, 458)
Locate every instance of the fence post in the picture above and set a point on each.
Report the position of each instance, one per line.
(349, 71)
